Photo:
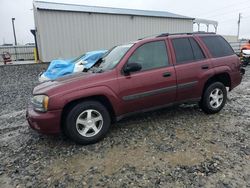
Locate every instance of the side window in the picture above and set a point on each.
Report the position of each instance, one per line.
(150, 55)
(187, 49)
(217, 46)
(183, 50)
(198, 53)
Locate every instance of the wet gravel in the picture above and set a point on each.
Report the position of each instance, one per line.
(176, 147)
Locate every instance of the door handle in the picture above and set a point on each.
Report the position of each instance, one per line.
(166, 74)
(204, 66)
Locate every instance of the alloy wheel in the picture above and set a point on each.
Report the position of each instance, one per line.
(216, 98)
(89, 123)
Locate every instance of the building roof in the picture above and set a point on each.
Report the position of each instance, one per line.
(205, 21)
(105, 10)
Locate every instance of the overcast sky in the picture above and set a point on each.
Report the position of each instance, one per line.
(224, 11)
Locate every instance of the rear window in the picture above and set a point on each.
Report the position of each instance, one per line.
(217, 46)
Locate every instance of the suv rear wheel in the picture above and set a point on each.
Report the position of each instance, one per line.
(87, 122)
(214, 98)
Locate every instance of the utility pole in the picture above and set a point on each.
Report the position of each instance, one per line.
(14, 32)
(239, 20)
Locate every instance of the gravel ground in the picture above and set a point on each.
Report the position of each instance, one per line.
(176, 147)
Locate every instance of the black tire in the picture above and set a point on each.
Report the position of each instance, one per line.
(205, 103)
(71, 128)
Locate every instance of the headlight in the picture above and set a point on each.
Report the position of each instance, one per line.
(40, 103)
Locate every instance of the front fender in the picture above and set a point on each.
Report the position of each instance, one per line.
(59, 101)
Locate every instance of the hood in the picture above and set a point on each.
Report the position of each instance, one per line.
(73, 77)
(69, 82)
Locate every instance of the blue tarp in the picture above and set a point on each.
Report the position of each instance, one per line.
(59, 68)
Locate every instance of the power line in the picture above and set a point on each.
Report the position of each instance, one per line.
(244, 17)
(219, 9)
(248, 16)
(227, 20)
(230, 12)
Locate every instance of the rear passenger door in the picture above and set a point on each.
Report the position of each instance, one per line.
(192, 68)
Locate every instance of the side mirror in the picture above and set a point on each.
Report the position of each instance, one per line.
(132, 67)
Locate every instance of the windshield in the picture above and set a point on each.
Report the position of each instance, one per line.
(77, 58)
(113, 57)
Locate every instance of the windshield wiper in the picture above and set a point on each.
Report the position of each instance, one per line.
(98, 70)
(95, 66)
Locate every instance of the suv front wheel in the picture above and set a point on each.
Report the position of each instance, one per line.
(214, 98)
(87, 122)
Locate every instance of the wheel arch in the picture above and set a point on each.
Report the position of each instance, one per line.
(99, 98)
(220, 77)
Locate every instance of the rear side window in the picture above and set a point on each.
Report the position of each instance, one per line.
(217, 46)
(198, 53)
(187, 50)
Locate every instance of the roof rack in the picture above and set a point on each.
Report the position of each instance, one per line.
(192, 33)
(170, 34)
(150, 36)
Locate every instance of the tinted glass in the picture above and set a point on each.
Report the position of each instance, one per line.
(218, 46)
(183, 50)
(150, 55)
(198, 53)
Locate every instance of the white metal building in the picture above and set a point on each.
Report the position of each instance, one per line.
(65, 31)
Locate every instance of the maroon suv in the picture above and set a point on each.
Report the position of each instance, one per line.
(136, 77)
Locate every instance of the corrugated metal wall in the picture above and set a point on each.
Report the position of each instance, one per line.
(63, 34)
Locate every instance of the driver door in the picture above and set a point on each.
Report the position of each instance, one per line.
(154, 85)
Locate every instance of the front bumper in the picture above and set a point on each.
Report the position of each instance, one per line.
(47, 123)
